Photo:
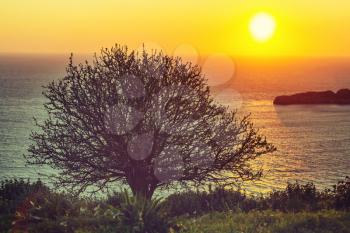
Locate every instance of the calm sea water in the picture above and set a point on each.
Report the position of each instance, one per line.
(313, 141)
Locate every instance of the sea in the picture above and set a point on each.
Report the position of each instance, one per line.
(313, 141)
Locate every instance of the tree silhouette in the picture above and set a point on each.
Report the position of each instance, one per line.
(146, 120)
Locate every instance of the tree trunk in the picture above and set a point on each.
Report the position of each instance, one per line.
(141, 183)
(143, 190)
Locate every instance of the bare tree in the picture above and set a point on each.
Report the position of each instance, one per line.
(146, 120)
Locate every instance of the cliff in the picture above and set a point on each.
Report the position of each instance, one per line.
(324, 97)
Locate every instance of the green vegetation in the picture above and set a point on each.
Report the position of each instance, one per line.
(295, 198)
(49, 212)
(269, 221)
(32, 207)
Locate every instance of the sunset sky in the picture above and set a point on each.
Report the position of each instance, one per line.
(303, 28)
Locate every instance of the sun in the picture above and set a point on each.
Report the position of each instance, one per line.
(262, 27)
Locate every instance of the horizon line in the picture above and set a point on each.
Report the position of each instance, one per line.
(311, 56)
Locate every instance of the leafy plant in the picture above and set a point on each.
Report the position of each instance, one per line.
(296, 197)
(13, 192)
(342, 194)
(139, 215)
(14, 196)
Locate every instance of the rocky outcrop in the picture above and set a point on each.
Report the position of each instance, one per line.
(324, 97)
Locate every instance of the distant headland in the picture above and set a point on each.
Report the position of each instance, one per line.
(341, 97)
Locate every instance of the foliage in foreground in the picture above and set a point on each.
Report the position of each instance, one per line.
(26, 208)
(268, 222)
(295, 198)
(299, 208)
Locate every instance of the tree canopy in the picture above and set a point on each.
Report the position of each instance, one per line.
(143, 119)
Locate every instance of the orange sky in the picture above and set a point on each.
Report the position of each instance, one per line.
(304, 28)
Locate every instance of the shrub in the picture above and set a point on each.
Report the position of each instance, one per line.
(116, 199)
(56, 213)
(14, 192)
(296, 197)
(13, 195)
(196, 203)
(342, 194)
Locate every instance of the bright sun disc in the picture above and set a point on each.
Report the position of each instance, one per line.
(262, 27)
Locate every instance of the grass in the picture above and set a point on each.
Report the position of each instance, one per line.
(329, 221)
